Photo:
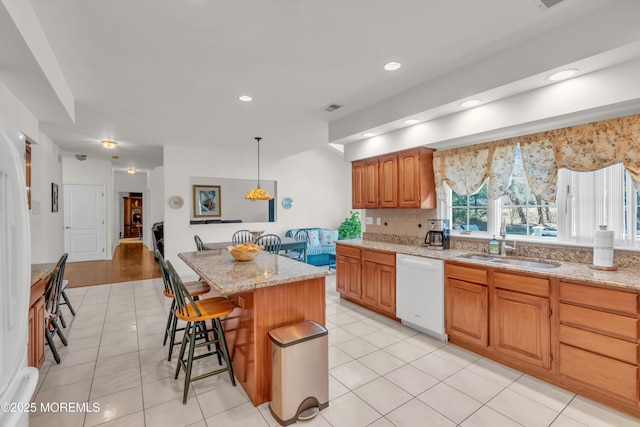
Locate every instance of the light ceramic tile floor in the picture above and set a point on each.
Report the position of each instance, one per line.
(380, 374)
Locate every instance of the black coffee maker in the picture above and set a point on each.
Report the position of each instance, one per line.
(437, 234)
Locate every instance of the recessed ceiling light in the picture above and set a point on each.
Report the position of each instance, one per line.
(562, 75)
(109, 145)
(470, 103)
(411, 121)
(368, 134)
(392, 66)
(245, 98)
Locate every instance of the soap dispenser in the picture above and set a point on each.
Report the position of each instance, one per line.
(494, 246)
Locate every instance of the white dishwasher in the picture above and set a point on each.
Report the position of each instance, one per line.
(420, 294)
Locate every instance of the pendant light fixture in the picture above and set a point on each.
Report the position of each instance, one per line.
(258, 193)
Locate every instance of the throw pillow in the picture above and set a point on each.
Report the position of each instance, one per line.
(314, 238)
(328, 236)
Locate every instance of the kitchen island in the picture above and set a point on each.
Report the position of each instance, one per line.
(268, 292)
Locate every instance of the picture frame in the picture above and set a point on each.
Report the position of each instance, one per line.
(206, 201)
(54, 197)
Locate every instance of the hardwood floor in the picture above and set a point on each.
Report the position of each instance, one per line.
(130, 262)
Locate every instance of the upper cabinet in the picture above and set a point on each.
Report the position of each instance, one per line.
(398, 180)
(365, 184)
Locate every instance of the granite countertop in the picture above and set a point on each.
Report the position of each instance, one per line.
(622, 278)
(39, 271)
(228, 276)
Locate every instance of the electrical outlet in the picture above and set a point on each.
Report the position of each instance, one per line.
(378, 221)
(368, 220)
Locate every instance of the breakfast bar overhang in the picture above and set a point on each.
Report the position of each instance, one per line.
(269, 292)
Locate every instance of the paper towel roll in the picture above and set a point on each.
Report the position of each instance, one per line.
(603, 247)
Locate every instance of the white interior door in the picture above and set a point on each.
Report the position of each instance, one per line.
(84, 227)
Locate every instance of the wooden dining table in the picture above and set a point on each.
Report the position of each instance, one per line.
(286, 244)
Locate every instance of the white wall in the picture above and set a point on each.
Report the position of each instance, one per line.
(93, 171)
(47, 228)
(156, 196)
(47, 244)
(318, 181)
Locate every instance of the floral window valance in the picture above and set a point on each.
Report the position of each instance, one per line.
(582, 148)
(466, 169)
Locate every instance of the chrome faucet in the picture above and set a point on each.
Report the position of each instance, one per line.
(504, 247)
(503, 235)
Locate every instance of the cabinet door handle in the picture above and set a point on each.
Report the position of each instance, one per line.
(67, 228)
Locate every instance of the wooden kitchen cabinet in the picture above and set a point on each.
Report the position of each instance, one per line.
(348, 272)
(36, 334)
(466, 304)
(379, 280)
(521, 327)
(398, 180)
(598, 338)
(520, 318)
(416, 182)
(388, 181)
(367, 278)
(364, 181)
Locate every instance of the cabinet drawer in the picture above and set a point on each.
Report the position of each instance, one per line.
(386, 258)
(610, 324)
(602, 372)
(518, 283)
(468, 274)
(349, 251)
(607, 299)
(601, 344)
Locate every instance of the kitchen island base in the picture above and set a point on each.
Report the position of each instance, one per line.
(257, 312)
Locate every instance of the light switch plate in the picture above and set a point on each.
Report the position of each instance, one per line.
(378, 221)
(368, 220)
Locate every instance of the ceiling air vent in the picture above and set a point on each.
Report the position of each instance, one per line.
(331, 107)
(548, 3)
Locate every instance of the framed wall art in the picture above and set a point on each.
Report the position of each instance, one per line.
(206, 201)
(54, 197)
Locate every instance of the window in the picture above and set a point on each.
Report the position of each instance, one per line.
(470, 212)
(585, 200)
(524, 213)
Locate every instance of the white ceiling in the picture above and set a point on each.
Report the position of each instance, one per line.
(148, 73)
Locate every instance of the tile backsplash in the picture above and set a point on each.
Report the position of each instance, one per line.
(408, 226)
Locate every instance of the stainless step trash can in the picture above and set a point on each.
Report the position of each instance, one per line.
(299, 371)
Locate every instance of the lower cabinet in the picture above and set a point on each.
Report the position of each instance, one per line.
(598, 334)
(521, 327)
(466, 304)
(348, 280)
(35, 354)
(379, 280)
(367, 278)
(466, 311)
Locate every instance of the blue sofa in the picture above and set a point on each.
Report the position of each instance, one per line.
(316, 254)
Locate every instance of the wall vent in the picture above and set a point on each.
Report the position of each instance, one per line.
(548, 3)
(331, 107)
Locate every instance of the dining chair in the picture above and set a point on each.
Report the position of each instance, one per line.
(52, 307)
(242, 236)
(195, 290)
(298, 254)
(199, 244)
(197, 313)
(270, 242)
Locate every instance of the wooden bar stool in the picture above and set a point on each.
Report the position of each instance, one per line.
(195, 312)
(195, 289)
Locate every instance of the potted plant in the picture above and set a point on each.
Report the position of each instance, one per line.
(350, 227)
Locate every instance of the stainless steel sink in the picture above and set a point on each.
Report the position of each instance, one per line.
(510, 261)
(525, 263)
(479, 257)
